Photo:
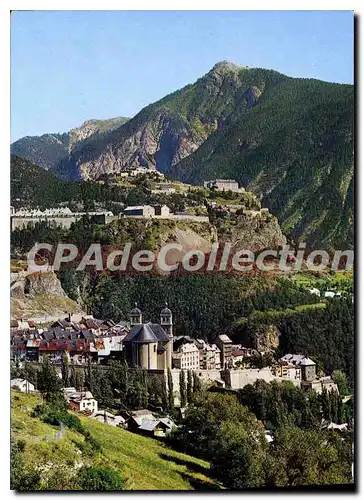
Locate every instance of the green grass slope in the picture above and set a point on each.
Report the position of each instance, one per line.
(144, 463)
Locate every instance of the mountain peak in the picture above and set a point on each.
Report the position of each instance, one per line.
(226, 66)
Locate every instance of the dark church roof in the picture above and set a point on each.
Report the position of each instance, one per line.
(142, 334)
(159, 332)
(147, 332)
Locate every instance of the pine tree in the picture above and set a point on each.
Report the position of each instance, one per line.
(72, 377)
(79, 381)
(334, 406)
(144, 388)
(326, 405)
(164, 395)
(189, 386)
(49, 383)
(341, 416)
(124, 382)
(170, 390)
(65, 369)
(196, 383)
(182, 388)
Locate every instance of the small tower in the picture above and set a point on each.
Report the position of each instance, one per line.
(166, 320)
(308, 369)
(136, 315)
(167, 325)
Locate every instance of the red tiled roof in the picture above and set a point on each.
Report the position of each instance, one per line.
(73, 405)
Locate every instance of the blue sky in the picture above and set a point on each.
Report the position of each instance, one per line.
(70, 66)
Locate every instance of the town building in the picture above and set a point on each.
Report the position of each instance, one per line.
(217, 357)
(239, 353)
(106, 417)
(60, 216)
(225, 345)
(138, 171)
(81, 401)
(149, 345)
(139, 211)
(145, 423)
(304, 363)
(307, 377)
(287, 370)
(161, 211)
(165, 189)
(224, 185)
(206, 355)
(187, 357)
(108, 347)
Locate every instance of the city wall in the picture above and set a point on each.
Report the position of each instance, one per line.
(20, 222)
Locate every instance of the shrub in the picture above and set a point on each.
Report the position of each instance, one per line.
(100, 479)
(57, 415)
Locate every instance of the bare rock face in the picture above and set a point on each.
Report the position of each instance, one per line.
(39, 296)
(43, 283)
(158, 143)
(267, 338)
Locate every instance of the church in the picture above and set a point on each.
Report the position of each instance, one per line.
(149, 345)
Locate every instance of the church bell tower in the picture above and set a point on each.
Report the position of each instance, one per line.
(166, 320)
(136, 315)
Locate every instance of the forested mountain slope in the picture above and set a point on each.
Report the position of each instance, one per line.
(295, 149)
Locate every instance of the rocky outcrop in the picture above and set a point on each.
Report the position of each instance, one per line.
(266, 338)
(26, 284)
(253, 230)
(39, 295)
(42, 283)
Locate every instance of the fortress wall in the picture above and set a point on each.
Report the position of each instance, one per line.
(18, 222)
(237, 379)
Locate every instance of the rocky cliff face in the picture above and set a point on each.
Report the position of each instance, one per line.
(158, 143)
(35, 284)
(39, 295)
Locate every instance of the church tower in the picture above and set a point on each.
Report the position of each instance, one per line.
(167, 325)
(166, 321)
(136, 315)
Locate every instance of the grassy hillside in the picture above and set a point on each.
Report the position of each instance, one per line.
(145, 464)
